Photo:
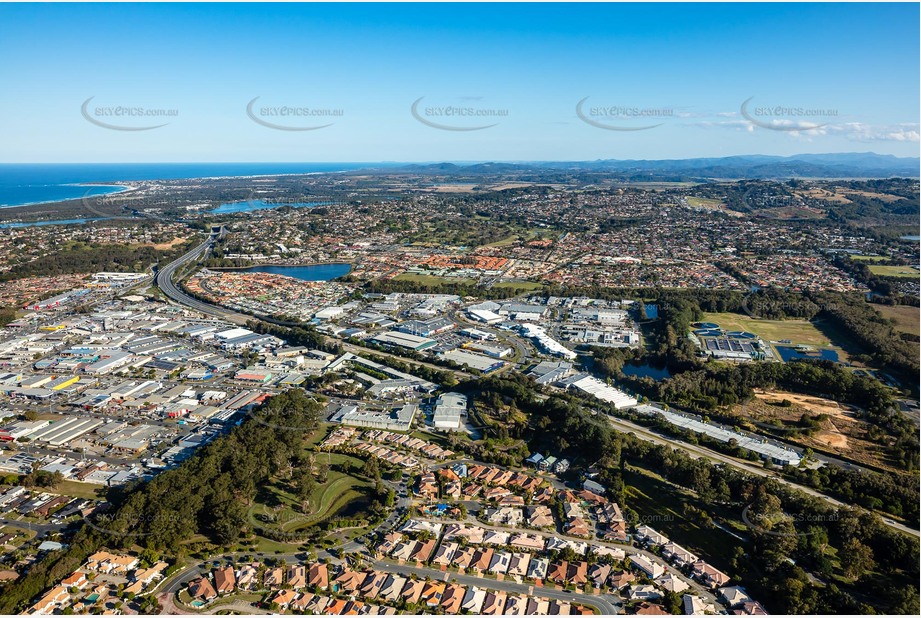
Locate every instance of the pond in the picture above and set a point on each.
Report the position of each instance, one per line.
(646, 370)
(788, 353)
(310, 272)
(252, 205)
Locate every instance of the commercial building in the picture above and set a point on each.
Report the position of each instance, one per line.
(450, 408)
(484, 315)
(396, 419)
(546, 343)
(598, 389)
(426, 328)
(473, 361)
(404, 340)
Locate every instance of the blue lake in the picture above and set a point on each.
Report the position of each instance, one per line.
(252, 205)
(312, 272)
(788, 353)
(646, 370)
(910, 237)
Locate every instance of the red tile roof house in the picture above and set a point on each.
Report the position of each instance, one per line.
(621, 579)
(494, 603)
(284, 598)
(650, 609)
(482, 560)
(353, 608)
(350, 581)
(463, 557)
(336, 607)
(709, 575)
(76, 579)
(424, 550)
(452, 598)
(388, 544)
(273, 578)
(432, 593)
(599, 573)
(202, 590)
(318, 575)
(247, 577)
(558, 572)
(372, 585)
(578, 573)
(301, 602)
(297, 576)
(412, 590)
(224, 580)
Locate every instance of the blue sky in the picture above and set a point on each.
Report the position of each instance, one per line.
(818, 77)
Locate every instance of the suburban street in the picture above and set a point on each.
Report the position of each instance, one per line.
(604, 603)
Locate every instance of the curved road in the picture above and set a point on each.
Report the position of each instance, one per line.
(164, 281)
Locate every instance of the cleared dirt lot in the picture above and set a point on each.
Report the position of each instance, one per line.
(840, 431)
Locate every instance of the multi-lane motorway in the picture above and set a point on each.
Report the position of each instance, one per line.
(164, 281)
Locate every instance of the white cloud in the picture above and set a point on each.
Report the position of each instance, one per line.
(855, 131)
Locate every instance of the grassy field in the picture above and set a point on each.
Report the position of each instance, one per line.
(77, 489)
(326, 501)
(26, 533)
(704, 202)
(527, 285)
(868, 258)
(906, 317)
(432, 280)
(505, 242)
(907, 272)
(526, 234)
(798, 331)
(660, 506)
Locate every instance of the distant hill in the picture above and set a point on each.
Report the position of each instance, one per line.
(836, 165)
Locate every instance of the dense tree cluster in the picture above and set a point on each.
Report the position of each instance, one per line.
(210, 494)
(300, 335)
(87, 258)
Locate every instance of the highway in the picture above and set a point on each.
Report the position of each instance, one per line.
(164, 281)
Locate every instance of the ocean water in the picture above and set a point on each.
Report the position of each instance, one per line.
(34, 183)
